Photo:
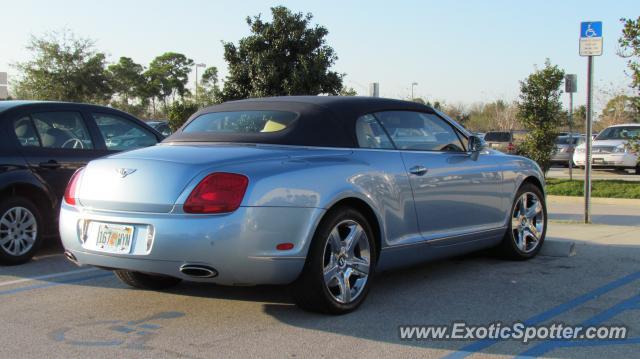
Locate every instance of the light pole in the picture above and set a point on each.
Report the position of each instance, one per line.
(412, 85)
(203, 66)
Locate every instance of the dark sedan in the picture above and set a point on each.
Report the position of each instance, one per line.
(41, 145)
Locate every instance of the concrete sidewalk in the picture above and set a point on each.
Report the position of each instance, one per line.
(611, 211)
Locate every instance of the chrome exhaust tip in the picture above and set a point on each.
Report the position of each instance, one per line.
(198, 271)
(70, 257)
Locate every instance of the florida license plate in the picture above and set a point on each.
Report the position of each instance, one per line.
(114, 238)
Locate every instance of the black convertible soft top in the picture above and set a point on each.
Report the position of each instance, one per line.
(325, 121)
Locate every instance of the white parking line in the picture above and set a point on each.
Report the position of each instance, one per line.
(48, 276)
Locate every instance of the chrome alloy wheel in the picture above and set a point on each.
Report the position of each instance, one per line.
(347, 258)
(527, 222)
(18, 231)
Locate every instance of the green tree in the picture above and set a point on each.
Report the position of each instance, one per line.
(64, 68)
(167, 76)
(127, 82)
(179, 111)
(629, 43)
(210, 77)
(619, 109)
(286, 56)
(579, 120)
(208, 88)
(348, 91)
(126, 79)
(540, 111)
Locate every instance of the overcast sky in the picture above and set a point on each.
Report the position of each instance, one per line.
(457, 51)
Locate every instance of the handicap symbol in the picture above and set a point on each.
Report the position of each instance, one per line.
(109, 333)
(590, 32)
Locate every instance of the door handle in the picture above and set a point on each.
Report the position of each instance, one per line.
(418, 170)
(52, 164)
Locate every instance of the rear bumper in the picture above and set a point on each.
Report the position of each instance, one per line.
(240, 246)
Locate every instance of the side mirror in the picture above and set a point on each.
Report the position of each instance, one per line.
(474, 144)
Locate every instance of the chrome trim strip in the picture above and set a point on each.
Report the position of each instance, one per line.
(275, 258)
(429, 241)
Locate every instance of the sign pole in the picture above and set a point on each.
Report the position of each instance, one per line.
(587, 152)
(571, 86)
(590, 46)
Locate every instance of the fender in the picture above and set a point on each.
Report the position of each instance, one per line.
(516, 170)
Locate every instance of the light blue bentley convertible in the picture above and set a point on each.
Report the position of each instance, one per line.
(316, 192)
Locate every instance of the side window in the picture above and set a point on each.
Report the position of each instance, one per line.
(62, 130)
(370, 134)
(420, 131)
(26, 133)
(122, 134)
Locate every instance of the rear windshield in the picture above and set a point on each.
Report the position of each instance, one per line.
(241, 122)
(497, 137)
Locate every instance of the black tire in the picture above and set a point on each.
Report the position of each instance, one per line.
(508, 248)
(12, 204)
(146, 281)
(638, 169)
(309, 290)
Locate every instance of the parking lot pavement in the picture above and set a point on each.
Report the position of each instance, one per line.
(52, 308)
(562, 172)
(613, 211)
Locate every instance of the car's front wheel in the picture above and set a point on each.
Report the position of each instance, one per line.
(146, 281)
(527, 226)
(20, 230)
(340, 264)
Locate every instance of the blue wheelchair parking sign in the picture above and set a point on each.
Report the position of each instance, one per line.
(591, 29)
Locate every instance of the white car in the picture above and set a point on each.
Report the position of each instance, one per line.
(609, 148)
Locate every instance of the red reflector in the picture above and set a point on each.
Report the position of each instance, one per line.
(217, 193)
(72, 188)
(284, 246)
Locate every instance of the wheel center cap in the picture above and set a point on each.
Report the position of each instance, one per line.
(341, 261)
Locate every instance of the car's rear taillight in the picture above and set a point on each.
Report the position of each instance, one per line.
(217, 193)
(72, 187)
(510, 147)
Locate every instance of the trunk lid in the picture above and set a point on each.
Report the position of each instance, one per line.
(152, 179)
